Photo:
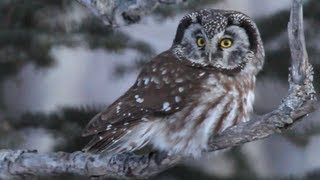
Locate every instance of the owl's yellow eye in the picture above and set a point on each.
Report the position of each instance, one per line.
(201, 42)
(226, 43)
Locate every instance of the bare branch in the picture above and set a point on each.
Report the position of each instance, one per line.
(23, 163)
(299, 102)
(299, 54)
(116, 12)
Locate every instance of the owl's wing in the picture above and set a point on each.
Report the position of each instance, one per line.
(160, 89)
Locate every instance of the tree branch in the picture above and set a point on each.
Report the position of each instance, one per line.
(19, 164)
(123, 12)
(299, 102)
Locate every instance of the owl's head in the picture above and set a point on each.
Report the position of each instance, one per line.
(227, 41)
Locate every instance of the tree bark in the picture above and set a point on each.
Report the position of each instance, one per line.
(299, 102)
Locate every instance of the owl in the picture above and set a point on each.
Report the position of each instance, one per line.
(199, 87)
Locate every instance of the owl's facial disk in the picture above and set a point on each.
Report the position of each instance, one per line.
(227, 50)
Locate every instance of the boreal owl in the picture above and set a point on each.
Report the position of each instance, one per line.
(199, 87)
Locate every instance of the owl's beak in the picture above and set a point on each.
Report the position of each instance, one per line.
(209, 51)
(210, 56)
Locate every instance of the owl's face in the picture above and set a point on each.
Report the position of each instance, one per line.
(221, 40)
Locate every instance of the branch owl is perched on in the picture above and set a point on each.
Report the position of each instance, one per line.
(202, 85)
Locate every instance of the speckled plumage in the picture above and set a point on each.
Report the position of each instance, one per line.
(186, 93)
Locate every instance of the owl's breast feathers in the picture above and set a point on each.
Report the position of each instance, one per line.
(163, 87)
(227, 101)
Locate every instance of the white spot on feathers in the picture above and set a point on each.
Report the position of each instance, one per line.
(118, 109)
(166, 106)
(109, 127)
(177, 99)
(146, 81)
(138, 99)
(166, 80)
(201, 74)
(155, 80)
(179, 80)
(181, 89)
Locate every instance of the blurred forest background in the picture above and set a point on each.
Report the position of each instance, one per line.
(59, 65)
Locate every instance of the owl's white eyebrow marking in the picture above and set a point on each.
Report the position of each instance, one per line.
(238, 34)
(198, 33)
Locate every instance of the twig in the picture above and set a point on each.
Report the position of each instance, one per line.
(298, 103)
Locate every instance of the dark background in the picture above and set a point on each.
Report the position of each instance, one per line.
(59, 66)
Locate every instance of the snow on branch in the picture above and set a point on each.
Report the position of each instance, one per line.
(299, 102)
(122, 12)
